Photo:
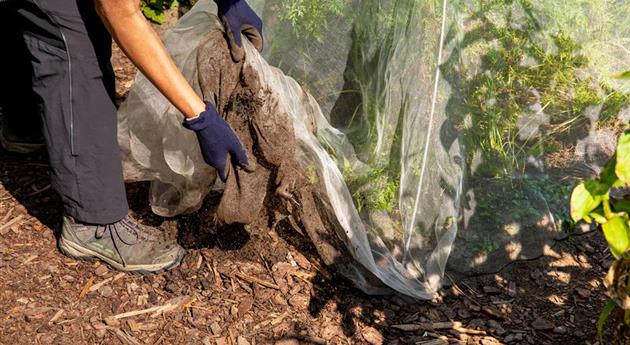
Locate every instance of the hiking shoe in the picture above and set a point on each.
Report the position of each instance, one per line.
(125, 245)
(20, 144)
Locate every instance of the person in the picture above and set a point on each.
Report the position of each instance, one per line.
(69, 46)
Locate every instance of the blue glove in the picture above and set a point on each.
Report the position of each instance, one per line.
(217, 140)
(237, 18)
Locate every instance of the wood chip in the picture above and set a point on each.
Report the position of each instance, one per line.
(148, 326)
(254, 280)
(56, 316)
(410, 327)
(245, 306)
(99, 285)
(493, 312)
(124, 337)
(279, 319)
(7, 226)
(171, 305)
(469, 331)
(433, 342)
(242, 341)
(199, 262)
(13, 311)
(110, 321)
(101, 270)
(118, 276)
(29, 259)
(216, 329)
(216, 275)
(456, 326)
(133, 326)
(7, 216)
(86, 287)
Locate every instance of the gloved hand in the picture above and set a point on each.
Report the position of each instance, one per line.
(217, 140)
(237, 18)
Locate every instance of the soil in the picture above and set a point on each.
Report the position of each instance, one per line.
(264, 283)
(274, 191)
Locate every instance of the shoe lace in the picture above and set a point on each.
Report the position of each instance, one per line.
(128, 225)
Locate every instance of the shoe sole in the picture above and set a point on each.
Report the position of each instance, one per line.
(21, 148)
(77, 252)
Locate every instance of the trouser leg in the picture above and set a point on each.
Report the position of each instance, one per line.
(74, 82)
(17, 104)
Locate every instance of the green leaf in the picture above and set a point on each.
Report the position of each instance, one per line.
(622, 75)
(154, 15)
(608, 176)
(599, 217)
(603, 316)
(622, 206)
(623, 158)
(583, 202)
(617, 232)
(595, 187)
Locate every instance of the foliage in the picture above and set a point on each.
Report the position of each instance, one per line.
(522, 77)
(154, 10)
(519, 200)
(373, 189)
(309, 18)
(593, 201)
(485, 247)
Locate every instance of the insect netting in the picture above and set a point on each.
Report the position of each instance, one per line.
(446, 135)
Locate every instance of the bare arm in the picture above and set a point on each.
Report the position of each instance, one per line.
(141, 44)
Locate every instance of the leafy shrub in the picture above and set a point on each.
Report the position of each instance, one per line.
(599, 200)
(309, 18)
(518, 72)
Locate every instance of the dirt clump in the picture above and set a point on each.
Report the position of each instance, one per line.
(277, 192)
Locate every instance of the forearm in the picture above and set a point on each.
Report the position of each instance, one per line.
(142, 45)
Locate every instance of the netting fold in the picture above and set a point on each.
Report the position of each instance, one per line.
(446, 133)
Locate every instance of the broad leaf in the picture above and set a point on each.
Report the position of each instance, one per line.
(583, 202)
(598, 187)
(623, 158)
(608, 177)
(603, 316)
(617, 232)
(154, 15)
(622, 206)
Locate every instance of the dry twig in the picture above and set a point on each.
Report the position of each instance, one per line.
(255, 280)
(86, 287)
(173, 304)
(99, 285)
(456, 326)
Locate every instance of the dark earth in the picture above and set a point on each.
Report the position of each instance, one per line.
(255, 285)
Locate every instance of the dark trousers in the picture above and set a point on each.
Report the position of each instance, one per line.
(73, 90)
(16, 96)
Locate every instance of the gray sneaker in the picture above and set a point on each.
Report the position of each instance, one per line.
(20, 144)
(125, 245)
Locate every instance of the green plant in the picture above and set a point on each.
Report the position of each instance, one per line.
(309, 18)
(519, 70)
(373, 189)
(485, 247)
(311, 172)
(154, 9)
(592, 201)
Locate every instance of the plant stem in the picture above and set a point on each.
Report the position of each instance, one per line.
(608, 213)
